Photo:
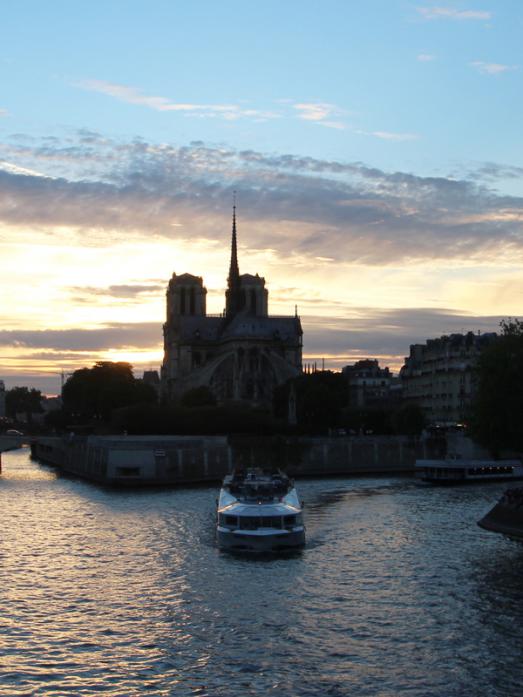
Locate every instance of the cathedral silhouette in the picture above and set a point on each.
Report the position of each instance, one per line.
(240, 355)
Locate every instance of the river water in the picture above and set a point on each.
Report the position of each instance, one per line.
(398, 592)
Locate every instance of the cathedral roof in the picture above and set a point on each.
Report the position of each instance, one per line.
(186, 278)
(242, 326)
(198, 327)
(252, 280)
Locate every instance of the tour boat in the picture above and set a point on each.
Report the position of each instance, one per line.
(454, 470)
(259, 511)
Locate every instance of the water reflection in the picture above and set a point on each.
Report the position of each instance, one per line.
(125, 593)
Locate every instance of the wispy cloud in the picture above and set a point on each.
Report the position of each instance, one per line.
(16, 169)
(320, 113)
(4, 112)
(425, 57)
(132, 95)
(452, 13)
(389, 135)
(494, 171)
(492, 68)
(123, 291)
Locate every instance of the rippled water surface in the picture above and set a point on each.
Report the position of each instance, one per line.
(398, 592)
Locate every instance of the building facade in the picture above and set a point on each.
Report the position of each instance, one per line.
(369, 385)
(440, 375)
(239, 355)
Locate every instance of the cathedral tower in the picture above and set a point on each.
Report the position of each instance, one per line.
(186, 296)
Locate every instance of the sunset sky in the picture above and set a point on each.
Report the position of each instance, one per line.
(375, 147)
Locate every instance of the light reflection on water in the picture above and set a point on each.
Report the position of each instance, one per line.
(124, 593)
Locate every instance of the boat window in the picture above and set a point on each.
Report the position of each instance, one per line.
(230, 521)
(249, 523)
(271, 522)
(289, 521)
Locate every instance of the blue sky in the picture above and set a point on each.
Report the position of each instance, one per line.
(409, 84)
(375, 148)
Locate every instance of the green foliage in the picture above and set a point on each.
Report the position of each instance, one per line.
(408, 420)
(146, 419)
(366, 420)
(320, 399)
(497, 412)
(511, 327)
(93, 393)
(22, 400)
(405, 420)
(198, 397)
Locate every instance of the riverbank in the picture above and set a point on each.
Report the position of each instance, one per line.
(171, 460)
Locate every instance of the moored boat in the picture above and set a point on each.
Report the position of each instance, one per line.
(455, 470)
(259, 511)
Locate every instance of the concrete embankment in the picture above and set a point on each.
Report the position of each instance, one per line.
(170, 460)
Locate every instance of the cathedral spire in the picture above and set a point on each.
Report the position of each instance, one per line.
(234, 271)
(233, 295)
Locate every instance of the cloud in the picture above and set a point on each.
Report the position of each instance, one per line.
(132, 95)
(425, 57)
(300, 206)
(123, 291)
(139, 335)
(388, 135)
(451, 13)
(492, 68)
(15, 169)
(314, 111)
(361, 332)
(493, 171)
(320, 113)
(4, 112)
(384, 334)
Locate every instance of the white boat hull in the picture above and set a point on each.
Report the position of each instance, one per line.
(247, 541)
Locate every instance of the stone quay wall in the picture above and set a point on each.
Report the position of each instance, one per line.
(171, 460)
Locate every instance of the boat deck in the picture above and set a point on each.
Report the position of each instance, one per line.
(256, 486)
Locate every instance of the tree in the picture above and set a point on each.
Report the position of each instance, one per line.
(497, 411)
(320, 399)
(22, 400)
(408, 420)
(198, 397)
(95, 392)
